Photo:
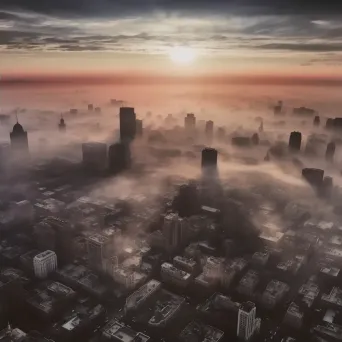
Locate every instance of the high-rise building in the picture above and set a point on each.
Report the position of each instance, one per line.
(186, 203)
(44, 263)
(313, 176)
(329, 123)
(119, 157)
(209, 130)
(317, 121)
(255, 139)
(246, 321)
(277, 110)
(97, 247)
(5, 157)
(127, 124)
(62, 125)
(209, 158)
(90, 107)
(190, 122)
(221, 134)
(295, 141)
(94, 156)
(19, 141)
(173, 230)
(330, 152)
(139, 128)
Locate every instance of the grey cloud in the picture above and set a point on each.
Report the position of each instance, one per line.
(307, 47)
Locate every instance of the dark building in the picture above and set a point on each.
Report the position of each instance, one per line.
(317, 121)
(330, 152)
(186, 202)
(139, 128)
(97, 110)
(209, 130)
(94, 156)
(62, 125)
(255, 139)
(221, 134)
(127, 124)
(337, 123)
(73, 111)
(277, 110)
(295, 141)
(5, 157)
(313, 176)
(190, 122)
(303, 112)
(19, 140)
(327, 186)
(119, 157)
(241, 141)
(329, 123)
(261, 127)
(209, 158)
(90, 107)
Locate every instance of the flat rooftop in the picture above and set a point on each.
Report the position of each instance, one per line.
(174, 271)
(142, 293)
(199, 332)
(120, 332)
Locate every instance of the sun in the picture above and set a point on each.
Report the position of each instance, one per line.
(182, 55)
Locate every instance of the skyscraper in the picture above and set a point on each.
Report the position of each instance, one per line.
(127, 124)
(44, 263)
(295, 141)
(317, 121)
(246, 321)
(209, 158)
(90, 107)
(221, 134)
(94, 156)
(173, 231)
(209, 130)
(119, 157)
(190, 122)
(97, 247)
(139, 128)
(330, 152)
(62, 125)
(313, 176)
(278, 108)
(19, 140)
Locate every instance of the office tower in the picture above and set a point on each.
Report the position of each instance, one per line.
(119, 157)
(221, 134)
(329, 123)
(209, 130)
(94, 156)
(5, 157)
(313, 176)
(209, 158)
(90, 107)
(139, 128)
(246, 321)
(278, 108)
(127, 124)
(173, 231)
(317, 121)
(190, 122)
(186, 202)
(330, 152)
(97, 248)
(62, 125)
(255, 139)
(295, 141)
(44, 263)
(19, 141)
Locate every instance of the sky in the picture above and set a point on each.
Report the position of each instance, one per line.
(135, 38)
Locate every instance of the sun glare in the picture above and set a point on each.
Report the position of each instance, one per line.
(182, 55)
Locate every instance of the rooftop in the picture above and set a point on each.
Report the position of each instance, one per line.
(276, 287)
(293, 310)
(98, 239)
(44, 255)
(334, 297)
(120, 332)
(271, 237)
(199, 332)
(174, 271)
(332, 271)
(186, 261)
(247, 307)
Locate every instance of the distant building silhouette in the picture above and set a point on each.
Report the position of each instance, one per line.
(97, 109)
(329, 123)
(209, 130)
(255, 139)
(241, 141)
(19, 141)
(90, 107)
(94, 156)
(304, 112)
(119, 157)
(190, 122)
(209, 158)
(127, 124)
(139, 128)
(261, 127)
(221, 134)
(277, 110)
(5, 158)
(295, 141)
(330, 152)
(313, 176)
(317, 121)
(186, 202)
(62, 125)
(337, 124)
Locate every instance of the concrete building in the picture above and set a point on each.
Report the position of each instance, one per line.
(44, 263)
(209, 158)
(186, 264)
(127, 124)
(293, 316)
(94, 156)
(248, 283)
(313, 176)
(117, 332)
(209, 130)
(173, 231)
(119, 157)
(246, 321)
(274, 293)
(139, 297)
(174, 275)
(295, 141)
(334, 297)
(97, 247)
